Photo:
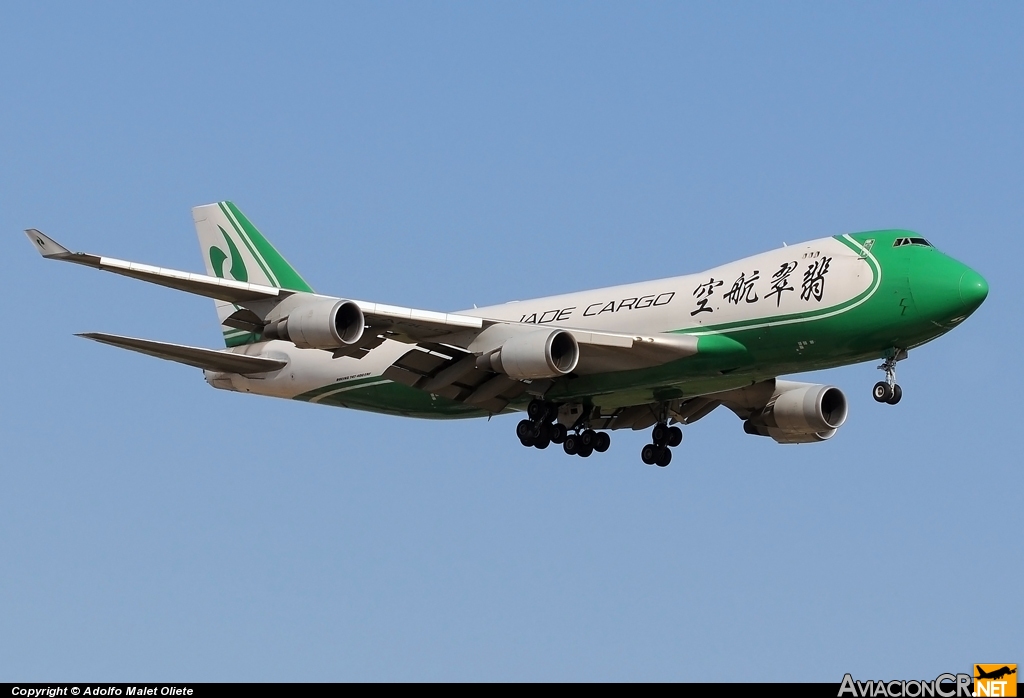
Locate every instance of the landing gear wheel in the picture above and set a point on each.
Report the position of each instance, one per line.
(585, 451)
(557, 432)
(888, 390)
(603, 442)
(897, 395)
(542, 443)
(588, 438)
(537, 410)
(526, 430)
(883, 392)
(649, 455)
(571, 444)
(675, 436)
(660, 435)
(664, 458)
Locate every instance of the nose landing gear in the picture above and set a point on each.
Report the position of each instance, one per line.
(889, 391)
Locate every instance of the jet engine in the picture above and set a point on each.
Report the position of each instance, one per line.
(800, 413)
(533, 355)
(319, 324)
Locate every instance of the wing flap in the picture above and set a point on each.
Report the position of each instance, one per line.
(607, 353)
(449, 372)
(209, 359)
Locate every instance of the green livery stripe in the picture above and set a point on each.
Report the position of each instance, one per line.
(347, 388)
(249, 246)
(241, 339)
(387, 397)
(876, 272)
(277, 269)
(318, 394)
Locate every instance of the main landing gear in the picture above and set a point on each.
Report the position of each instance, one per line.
(541, 430)
(663, 438)
(585, 442)
(889, 391)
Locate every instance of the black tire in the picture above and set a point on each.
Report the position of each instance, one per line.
(542, 443)
(524, 430)
(882, 392)
(675, 436)
(585, 451)
(527, 442)
(603, 442)
(571, 444)
(649, 454)
(537, 410)
(659, 435)
(557, 432)
(897, 395)
(664, 458)
(588, 438)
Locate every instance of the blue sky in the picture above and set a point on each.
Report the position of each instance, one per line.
(441, 155)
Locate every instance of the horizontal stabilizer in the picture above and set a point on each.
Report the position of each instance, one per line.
(209, 359)
(199, 284)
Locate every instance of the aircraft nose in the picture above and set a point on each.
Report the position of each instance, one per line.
(945, 290)
(973, 290)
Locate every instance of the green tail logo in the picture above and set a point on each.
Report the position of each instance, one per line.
(218, 256)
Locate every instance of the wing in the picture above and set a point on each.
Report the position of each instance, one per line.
(447, 345)
(394, 322)
(457, 373)
(601, 351)
(209, 359)
(200, 284)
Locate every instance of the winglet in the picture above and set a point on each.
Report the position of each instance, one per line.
(46, 246)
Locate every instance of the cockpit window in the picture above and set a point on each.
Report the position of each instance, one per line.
(900, 242)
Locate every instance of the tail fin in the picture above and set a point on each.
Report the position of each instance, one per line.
(233, 248)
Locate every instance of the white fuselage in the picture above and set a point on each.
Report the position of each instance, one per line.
(785, 282)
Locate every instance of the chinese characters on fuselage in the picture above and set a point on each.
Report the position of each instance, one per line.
(703, 292)
(744, 288)
(748, 288)
(814, 279)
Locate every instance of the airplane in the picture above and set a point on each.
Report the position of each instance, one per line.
(996, 674)
(650, 355)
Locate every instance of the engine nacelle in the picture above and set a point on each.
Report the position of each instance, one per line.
(319, 324)
(800, 413)
(533, 355)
